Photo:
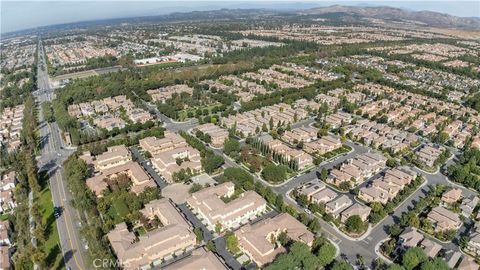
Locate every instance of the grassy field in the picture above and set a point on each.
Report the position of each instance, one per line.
(76, 75)
(51, 247)
(118, 211)
(183, 115)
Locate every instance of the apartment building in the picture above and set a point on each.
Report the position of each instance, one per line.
(301, 134)
(302, 159)
(200, 259)
(428, 154)
(444, 219)
(218, 135)
(8, 181)
(467, 263)
(115, 156)
(139, 178)
(388, 186)
(209, 205)
(109, 122)
(173, 237)
(172, 154)
(323, 145)
(156, 146)
(164, 93)
(338, 119)
(356, 170)
(252, 122)
(106, 113)
(255, 239)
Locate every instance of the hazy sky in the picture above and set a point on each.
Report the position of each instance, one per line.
(18, 15)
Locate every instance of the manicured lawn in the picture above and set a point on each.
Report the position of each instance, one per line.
(183, 115)
(120, 208)
(51, 246)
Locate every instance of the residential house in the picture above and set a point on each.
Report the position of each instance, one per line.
(311, 188)
(410, 238)
(444, 219)
(430, 247)
(452, 195)
(337, 206)
(468, 205)
(356, 209)
(323, 196)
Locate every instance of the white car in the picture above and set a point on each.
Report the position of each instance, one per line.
(308, 211)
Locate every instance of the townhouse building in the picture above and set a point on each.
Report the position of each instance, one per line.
(208, 204)
(255, 240)
(218, 135)
(173, 237)
(444, 219)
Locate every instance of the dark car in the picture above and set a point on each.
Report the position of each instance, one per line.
(57, 211)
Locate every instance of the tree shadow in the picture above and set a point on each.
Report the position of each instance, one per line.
(52, 256)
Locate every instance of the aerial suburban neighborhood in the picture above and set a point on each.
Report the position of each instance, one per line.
(289, 137)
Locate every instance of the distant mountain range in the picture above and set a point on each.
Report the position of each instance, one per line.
(429, 18)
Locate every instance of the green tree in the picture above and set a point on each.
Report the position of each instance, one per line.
(231, 146)
(275, 173)
(435, 264)
(195, 187)
(212, 162)
(199, 234)
(326, 253)
(232, 243)
(218, 227)
(283, 239)
(395, 266)
(323, 174)
(342, 265)
(413, 257)
(355, 224)
(211, 246)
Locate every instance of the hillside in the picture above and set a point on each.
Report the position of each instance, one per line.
(429, 18)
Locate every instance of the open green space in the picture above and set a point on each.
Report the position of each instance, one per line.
(184, 115)
(53, 252)
(119, 210)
